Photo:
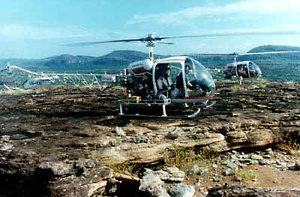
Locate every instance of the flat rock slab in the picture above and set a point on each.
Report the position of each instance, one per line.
(54, 129)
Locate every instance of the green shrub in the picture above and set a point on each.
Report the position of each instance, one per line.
(184, 158)
(235, 88)
(247, 175)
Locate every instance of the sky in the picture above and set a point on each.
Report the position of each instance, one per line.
(42, 28)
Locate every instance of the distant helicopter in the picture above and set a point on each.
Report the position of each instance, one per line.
(28, 79)
(246, 69)
(34, 79)
(170, 82)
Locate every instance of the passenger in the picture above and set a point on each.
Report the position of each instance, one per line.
(243, 71)
(164, 80)
(179, 79)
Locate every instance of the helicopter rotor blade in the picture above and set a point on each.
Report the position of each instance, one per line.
(217, 54)
(170, 43)
(2, 70)
(109, 41)
(232, 34)
(152, 38)
(245, 54)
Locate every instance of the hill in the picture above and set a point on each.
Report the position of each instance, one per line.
(275, 67)
(274, 48)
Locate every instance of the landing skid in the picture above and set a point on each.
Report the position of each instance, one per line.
(162, 116)
(209, 105)
(160, 104)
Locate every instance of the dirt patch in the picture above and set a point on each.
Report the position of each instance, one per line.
(270, 177)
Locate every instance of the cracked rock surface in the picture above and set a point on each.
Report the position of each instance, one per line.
(62, 140)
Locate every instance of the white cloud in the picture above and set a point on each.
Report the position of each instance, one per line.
(17, 32)
(239, 7)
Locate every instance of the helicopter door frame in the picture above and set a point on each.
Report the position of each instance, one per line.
(186, 93)
(168, 62)
(248, 69)
(153, 79)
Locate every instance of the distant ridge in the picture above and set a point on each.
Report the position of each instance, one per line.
(266, 48)
(118, 57)
(278, 67)
(66, 59)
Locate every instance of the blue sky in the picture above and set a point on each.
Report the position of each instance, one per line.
(40, 28)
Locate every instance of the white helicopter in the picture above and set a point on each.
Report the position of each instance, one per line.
(247, 69)
(164, 83)
(170, 82)
(31, 79)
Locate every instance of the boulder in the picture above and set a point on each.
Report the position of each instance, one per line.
(151, 185)
(182, 190)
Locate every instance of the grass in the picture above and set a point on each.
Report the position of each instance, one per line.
(126, 167)
(182, 158)
(291, 141)
(260, 83)
(185, 158)
(247, 175)
(290, 82)
(17, 92)
(235, 88)
(289, 144)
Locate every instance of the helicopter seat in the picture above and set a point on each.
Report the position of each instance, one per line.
(163, 84)
(164, 80)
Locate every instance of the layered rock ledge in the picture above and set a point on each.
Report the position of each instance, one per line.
(60, 141)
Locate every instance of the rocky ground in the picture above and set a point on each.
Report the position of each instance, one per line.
(71, 142)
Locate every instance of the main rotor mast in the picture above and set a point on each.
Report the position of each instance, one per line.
(151, 45)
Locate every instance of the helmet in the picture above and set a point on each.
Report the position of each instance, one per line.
(188, 67)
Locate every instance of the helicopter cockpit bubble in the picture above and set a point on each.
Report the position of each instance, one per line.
(199, 77)
(254, 68)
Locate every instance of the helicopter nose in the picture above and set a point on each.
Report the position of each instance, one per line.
(207, 82)
(206, 86)
(212, 87)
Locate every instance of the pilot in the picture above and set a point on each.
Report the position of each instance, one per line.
(179, 78)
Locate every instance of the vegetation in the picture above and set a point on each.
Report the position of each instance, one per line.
(235, 88)
(128, 167)
(260, 83)
(290, 144)
(290, 141)
(247, 175)
(184, 158)
(18, 92)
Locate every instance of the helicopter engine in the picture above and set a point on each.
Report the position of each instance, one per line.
(138, 78)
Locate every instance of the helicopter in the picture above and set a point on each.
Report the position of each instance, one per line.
(170, 81)
(28, 79)
(246, 69)
(179, 81)
(32, 79)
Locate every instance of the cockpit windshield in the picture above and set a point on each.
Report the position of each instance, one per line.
(198, 74)
(254, 70)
